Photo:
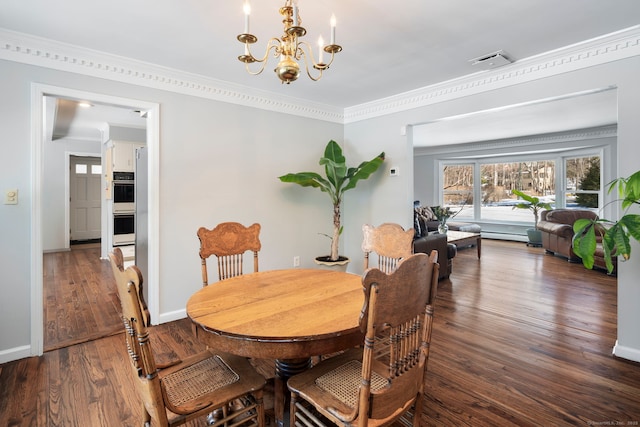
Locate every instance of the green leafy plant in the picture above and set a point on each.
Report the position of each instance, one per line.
(614, 235)
(338, 179)
(532, 203)
(444, 213)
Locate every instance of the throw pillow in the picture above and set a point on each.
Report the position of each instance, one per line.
(424, 214)
(428, 214)
(416, 225)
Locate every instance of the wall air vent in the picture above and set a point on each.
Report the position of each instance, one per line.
(491, 60)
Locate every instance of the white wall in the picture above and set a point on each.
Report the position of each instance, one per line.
(384, 198)
(15, 232)
(120, 133)
(628, 344)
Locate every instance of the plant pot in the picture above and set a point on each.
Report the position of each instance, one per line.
(535, 237)
(325, 263)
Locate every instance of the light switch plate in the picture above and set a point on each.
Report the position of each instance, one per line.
(11, 197)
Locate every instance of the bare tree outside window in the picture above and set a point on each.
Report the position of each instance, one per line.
(583, 182)
(457, 190)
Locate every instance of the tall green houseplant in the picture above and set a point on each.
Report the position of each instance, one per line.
(615, 235)
(533, 204)
(338, 179)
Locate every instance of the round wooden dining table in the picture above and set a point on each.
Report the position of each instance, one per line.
(286, 315)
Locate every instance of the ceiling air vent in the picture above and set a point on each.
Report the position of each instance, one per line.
(491, 60)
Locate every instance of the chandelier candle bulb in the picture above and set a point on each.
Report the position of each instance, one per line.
(333, 29)
(247, 11)
(295, 15)
(320, 49)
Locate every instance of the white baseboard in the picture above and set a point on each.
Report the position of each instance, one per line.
(15, 353)
(626, 352)
(504, 236)
(172, 315)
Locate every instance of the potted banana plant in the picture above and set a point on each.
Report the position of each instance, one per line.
(337, 180)
(614, 235)
(534, 205)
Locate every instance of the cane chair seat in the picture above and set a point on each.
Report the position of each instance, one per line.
(210, 384)
(358, 389)
(390, 242)
(343, 382)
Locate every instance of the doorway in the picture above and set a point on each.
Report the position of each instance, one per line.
(76, 280)
(85, 199)
(41, 207)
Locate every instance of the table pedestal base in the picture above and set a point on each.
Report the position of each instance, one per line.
(284, 370)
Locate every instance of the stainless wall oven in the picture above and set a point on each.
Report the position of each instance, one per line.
(123, 192)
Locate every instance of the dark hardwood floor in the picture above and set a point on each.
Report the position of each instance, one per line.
(520, 339)
(80, 297)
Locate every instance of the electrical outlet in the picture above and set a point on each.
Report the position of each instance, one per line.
(296, 261)
(11, 197)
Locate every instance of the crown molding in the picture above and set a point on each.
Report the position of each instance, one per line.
(32, 50)
(28, 49)
(611, 47)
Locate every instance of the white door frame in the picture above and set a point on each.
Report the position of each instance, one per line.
(38, 92)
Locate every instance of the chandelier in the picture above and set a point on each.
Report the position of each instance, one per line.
(289, 48)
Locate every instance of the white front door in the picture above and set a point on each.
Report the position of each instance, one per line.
(84, 203)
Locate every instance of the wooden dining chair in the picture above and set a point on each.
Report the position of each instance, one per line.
(209, 384)
(228, 241)
(355, 388)
(390, 242)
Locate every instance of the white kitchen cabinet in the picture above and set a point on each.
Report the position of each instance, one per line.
(123, 154)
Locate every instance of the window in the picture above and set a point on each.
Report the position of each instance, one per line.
(582, 177)
(83, 169)
(458, 189)
(579, 176)
(536, 178)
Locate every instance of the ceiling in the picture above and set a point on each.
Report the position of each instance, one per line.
(574, 111)
(73, 119)
(388, 47)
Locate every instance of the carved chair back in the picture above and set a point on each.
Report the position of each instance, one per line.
(228, 241)
(390, 242)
